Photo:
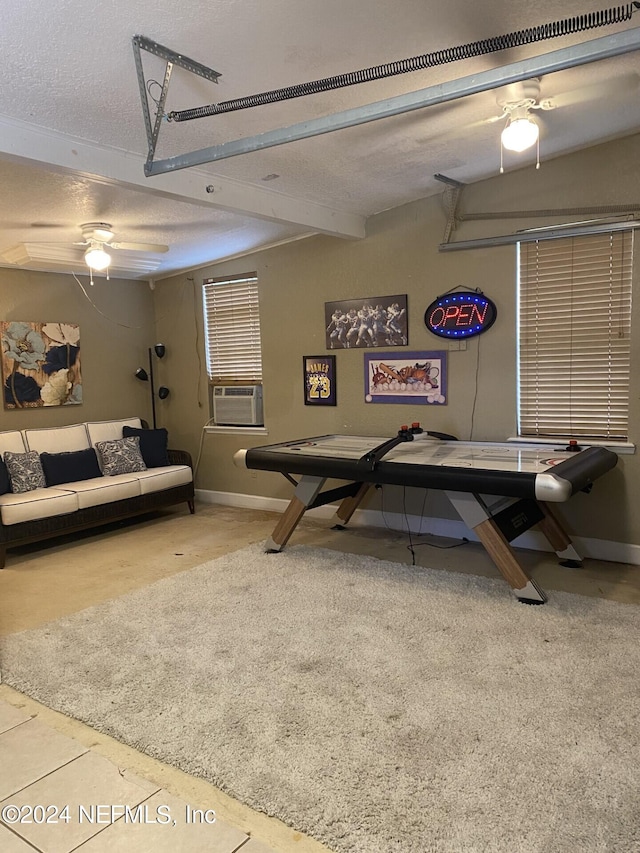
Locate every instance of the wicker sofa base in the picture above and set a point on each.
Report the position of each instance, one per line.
(43, 528)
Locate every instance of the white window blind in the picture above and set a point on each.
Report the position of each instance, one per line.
(232, 328)
(574, 328)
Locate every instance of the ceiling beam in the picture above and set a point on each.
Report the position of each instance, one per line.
(536, 66)
(57, 152)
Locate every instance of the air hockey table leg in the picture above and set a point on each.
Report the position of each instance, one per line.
(558, 538)
(478, 518)
(524, 588)
(306, 492)
(348, 507)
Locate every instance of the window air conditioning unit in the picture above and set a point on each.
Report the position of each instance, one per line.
(237, 405)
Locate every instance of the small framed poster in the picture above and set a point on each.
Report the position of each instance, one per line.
(410, 377)
(319, 380)
(373, 321)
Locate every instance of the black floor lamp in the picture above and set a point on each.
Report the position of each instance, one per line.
(143, 376)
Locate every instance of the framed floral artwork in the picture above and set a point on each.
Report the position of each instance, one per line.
(40, 364)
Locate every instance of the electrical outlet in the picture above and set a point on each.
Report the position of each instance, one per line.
(457, 345)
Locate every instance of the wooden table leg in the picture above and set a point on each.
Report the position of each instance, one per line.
(476, 514)
(502, 555)
(349, 506)
(558, 537)
(304, 495)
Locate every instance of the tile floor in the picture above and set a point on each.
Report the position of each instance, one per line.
(65, 796)
(50, 760)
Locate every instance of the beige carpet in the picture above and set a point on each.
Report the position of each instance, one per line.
(375, 706)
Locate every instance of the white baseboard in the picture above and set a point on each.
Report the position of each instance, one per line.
(597, 549)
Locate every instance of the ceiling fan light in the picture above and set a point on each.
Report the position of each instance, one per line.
(520, 134)
(97, 259)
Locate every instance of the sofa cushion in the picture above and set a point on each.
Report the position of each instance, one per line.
(5, 484)
(25, 471)
(69, 467)
(109, 430)
(62, 439)
(153, 445)
(39, 503)
(121, 456)
(104, 490)
(12, 440)
(156, 479)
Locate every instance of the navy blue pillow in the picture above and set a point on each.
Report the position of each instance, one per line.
(153, 445)
(5, 484)
(70, 467)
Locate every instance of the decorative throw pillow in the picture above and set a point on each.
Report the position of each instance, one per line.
(153, 445)
(70, 467)
(5, 485)
(121, 456)
(25, 471)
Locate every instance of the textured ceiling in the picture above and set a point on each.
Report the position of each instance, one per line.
(73, 142)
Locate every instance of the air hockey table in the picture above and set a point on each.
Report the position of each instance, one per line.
(500, 490)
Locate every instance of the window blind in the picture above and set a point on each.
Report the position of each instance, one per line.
(574, 327)
(232, 328)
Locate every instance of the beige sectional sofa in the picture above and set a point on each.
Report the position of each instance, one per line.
(67, 507)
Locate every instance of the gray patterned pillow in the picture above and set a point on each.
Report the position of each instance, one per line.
(25, 471)
(120, 456)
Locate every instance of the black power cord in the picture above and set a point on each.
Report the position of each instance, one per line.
(413, 545)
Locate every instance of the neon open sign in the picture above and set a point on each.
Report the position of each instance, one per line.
(460, 315)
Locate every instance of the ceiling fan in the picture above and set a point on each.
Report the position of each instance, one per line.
(98, 243)
(521, 130)
(98, 235)
(524, 102)
(519, 100)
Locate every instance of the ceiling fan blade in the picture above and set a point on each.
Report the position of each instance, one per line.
(37, 242)
(37, 225)
(616, 87)
(483, 122)
(466, 129)
(141, 247)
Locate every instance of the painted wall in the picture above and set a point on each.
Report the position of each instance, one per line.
(116, 328)
(399, 255)
(119, 320)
